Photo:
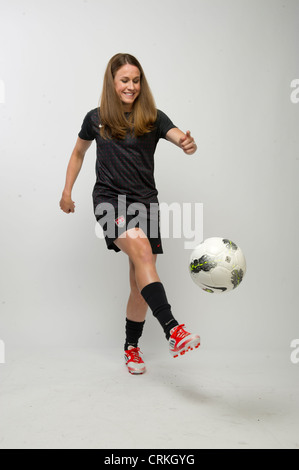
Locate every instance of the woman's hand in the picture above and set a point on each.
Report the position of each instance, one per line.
(187, 143)
(66, 204)
(184, 141)
(73, 169)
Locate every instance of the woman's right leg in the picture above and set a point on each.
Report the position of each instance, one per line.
(135, 313)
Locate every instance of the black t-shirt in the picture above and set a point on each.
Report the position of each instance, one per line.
(125, 167)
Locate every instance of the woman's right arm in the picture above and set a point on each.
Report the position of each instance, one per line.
(73, 169)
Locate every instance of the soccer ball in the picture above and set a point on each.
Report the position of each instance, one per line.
(217, 265)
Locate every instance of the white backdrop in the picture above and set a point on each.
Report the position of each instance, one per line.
(222, 69)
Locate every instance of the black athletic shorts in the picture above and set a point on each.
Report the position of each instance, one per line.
(116, 219)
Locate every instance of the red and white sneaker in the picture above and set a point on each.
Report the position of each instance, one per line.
(181, 341)
(134, 362)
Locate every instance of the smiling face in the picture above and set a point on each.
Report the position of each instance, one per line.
(127, 85)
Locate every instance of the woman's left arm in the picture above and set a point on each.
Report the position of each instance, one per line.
(184, 141)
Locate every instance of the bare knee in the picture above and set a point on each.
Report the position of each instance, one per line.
(143, 255)
(137, 246)
(139, 250)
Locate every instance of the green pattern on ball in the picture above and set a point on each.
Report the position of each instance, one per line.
(237, 276)
(205, 263)
(229, 244)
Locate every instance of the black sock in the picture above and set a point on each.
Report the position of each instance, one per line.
(155, 296)
(133, 332)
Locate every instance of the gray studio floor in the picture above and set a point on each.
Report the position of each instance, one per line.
(68, 398)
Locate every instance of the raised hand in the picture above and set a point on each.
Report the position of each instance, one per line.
(188, 144)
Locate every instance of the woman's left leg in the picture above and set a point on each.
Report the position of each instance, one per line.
(139, 250)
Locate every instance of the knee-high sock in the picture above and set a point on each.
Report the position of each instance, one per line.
(133, 333)
(155, 296)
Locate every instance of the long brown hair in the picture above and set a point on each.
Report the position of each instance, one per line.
(114, 123)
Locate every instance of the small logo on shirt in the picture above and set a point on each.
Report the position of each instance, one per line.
(120, 221)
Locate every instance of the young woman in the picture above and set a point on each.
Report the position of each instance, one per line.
(127, 127)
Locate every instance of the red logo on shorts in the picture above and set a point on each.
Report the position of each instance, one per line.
(120, 221)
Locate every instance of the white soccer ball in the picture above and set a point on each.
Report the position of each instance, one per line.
(217, 265)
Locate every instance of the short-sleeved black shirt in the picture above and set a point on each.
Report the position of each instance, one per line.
(125, 167)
